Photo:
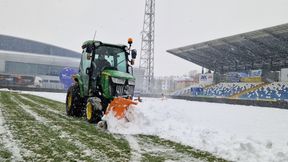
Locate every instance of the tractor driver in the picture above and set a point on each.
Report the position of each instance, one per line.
(101, 63)
(98, 65)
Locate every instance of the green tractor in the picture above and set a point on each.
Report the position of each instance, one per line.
(105, 78)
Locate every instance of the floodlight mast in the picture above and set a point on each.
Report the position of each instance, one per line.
(147, 45)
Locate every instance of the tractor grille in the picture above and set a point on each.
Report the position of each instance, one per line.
(119, 89)
(123, 90)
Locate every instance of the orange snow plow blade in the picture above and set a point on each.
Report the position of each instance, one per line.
(119, 106)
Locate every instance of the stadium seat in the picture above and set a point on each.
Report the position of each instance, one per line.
(273, 91)
(227, 89)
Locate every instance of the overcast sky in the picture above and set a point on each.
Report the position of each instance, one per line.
(67, 23)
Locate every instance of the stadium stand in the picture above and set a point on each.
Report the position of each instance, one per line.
(273, 91)
(188, 90)
(262, 52)
(218, 90)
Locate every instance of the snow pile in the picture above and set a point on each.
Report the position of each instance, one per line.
(136, 120)
(234, 132)
(238, 133)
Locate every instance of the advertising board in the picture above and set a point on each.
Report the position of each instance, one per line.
(206, 79)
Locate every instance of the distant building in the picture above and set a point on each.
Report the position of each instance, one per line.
(26, 57)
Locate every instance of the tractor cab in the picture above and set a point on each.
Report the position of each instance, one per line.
(105, 70)
(105, 82)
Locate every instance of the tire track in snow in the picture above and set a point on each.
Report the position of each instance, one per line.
(135, 148)
(63, 135)
(8, 139)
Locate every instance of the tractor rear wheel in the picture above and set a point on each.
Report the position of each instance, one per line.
(73, 101)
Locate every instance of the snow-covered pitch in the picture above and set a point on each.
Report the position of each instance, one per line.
(234, 132)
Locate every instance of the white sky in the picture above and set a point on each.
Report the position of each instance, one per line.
(67, 23)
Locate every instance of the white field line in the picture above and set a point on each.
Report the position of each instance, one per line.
(135, 148)
(64, 135)
(8, 139)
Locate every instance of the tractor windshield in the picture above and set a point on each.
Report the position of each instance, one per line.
(111, 57)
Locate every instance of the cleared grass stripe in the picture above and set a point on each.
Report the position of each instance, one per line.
(47, 121)
(45, 106)
(56, 105)
(87, 152)
(42, 144)
(106, 136)
(116, 149)
(12, 147)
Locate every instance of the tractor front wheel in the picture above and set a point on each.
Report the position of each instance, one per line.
(93, 110)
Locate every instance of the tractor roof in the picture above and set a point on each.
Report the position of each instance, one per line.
(88, 42)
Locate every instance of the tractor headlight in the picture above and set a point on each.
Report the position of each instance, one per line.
(118, 80)
(131, 82)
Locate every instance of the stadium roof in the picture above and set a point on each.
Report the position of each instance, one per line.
(262, 49)
(9, 43)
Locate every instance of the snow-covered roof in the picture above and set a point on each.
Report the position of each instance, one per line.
(253, 50)
(10, 43)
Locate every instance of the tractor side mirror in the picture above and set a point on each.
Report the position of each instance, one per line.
(134, 54)
(132, 61)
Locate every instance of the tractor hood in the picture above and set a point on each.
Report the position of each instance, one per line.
(118, 74)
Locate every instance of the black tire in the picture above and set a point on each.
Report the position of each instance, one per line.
(102, 124)
(93, 110)
(74, 102)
